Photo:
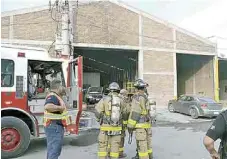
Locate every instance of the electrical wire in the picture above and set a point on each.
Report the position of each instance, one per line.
(92, 68)
(103, 63)
(56, 11)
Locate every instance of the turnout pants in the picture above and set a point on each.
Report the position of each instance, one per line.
(121, 149)
(143, 140)
(54, 135)
(113, 141)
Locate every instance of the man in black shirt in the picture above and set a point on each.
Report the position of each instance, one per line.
(217, 130)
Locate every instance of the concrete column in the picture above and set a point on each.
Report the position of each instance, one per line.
(175, 65)
(194, 80)
(140, 53)
(216, 78)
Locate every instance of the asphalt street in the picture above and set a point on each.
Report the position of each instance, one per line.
(171, 140)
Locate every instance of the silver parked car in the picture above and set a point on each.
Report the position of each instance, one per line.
(195, 106)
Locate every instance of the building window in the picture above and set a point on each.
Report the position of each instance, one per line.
(7, 73)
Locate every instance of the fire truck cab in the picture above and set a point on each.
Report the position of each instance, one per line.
(26, 74)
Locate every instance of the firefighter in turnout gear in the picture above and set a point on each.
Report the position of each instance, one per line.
(55, 119)
(110, 112)
(140, 121)
(218, 130)
(124, 96)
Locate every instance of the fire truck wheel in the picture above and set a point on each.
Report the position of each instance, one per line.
(15, 136)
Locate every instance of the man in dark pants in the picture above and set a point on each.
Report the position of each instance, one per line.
(217, 130)
(55, 119)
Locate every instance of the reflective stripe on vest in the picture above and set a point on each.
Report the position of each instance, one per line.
(64, 117)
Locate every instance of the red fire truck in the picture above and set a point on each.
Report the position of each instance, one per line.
(26, 74)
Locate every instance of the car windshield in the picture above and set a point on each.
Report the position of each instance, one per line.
(95, 90)
(209, 100)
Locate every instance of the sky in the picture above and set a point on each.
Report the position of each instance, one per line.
(172, 10)
(203, 17)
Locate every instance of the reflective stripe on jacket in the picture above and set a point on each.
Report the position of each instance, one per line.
(139, 117)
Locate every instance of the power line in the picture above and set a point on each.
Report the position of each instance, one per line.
(92, 68)
(103, 63)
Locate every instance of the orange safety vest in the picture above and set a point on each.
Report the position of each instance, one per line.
(64, 117)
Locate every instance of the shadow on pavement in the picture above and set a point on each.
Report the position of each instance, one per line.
(83, 139)
(36, 145)
(193, 126)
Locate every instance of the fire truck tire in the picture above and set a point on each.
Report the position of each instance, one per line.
(15, 136)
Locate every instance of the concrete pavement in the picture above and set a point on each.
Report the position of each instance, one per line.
(175, 136)
(170, 141)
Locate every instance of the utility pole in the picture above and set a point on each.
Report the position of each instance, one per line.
(63, 41)
(65, 30)
(71, 27)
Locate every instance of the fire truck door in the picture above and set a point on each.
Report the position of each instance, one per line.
(21, 67)
(75, 84)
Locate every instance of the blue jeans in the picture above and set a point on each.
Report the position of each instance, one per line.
(54, 135)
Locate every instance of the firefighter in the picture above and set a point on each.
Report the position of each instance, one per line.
(124, 95)
(55, 119)
(31, 87)
(140, 121)
(110, 113)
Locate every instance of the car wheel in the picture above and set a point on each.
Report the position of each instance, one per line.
(171, 108)
(194, 113)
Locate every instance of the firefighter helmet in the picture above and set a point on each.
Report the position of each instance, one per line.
(114, 86)
(140, 84)
(123, 92)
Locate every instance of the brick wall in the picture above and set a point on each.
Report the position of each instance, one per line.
(5, 27)
(156, 35)
(158, 69)
(160, 88)
(156, 61)
(106, 23)
(34, 26)
(186, 42)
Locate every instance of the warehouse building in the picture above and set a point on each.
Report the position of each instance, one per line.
(123, 43)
